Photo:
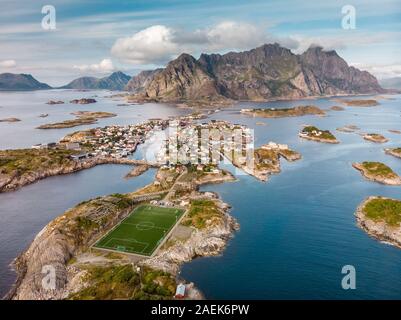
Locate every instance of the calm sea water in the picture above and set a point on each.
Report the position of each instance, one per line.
(28, 106)
(297, 230)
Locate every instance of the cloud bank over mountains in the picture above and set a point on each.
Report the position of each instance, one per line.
(104, 66)
(8, 63)
(159, 43)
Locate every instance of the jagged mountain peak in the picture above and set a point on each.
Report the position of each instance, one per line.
(265, 72)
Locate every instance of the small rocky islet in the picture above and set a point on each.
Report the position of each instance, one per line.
(378, 172)
(380, 217)
(315, 134)
(83, 101)
(284, 112)
(82, 118)
(375, 137)
(10, 120)
(395, 152)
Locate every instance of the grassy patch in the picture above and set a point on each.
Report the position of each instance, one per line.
(378, 169)
(23, 161)
(122, 282)
(201, 212)
(387, 210)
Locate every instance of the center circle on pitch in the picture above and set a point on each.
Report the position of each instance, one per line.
(145, 225)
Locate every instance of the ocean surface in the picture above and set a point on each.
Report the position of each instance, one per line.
(297, 230)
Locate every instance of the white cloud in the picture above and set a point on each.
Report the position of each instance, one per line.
(341, 41)
(159, 44)
(8, 64)
(234, 35)
(381, 71)
(106, 65)
(151, 45)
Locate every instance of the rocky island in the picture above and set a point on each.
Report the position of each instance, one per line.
(315, 134)
(68, 123)
(381, 217)
(358, 103)
(83, 101)
(378, 172)
(10, 120)
(77, 151)
(348, 128)
(375, 137)
(86, 273)
(83, 118)
(265, 160)
(52, 102)
(337, 108)
(25, 166)
(396, 152)
(284, 112)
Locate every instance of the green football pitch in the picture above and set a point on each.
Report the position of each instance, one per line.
(142, 231)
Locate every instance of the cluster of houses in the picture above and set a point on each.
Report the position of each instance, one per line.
(275, 146)
(120, 141)
(203, 143)
(314, 133)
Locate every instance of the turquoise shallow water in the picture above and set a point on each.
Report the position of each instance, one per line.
(297, 230)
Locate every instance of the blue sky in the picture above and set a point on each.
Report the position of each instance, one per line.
(96, 37)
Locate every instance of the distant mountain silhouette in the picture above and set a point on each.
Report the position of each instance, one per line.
(116, 81)
(20, 82)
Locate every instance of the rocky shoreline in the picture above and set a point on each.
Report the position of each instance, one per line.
(394, 152)
(15, 181)
(320, 140)
(379, 230)
(374, 137)
(390, 178)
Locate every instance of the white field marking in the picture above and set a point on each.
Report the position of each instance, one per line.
(127, 240)
(145, 248)
(138, 224)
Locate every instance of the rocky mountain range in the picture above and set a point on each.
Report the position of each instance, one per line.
(269, 71)
(20, 82)
(116, 81)
(140, 81)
